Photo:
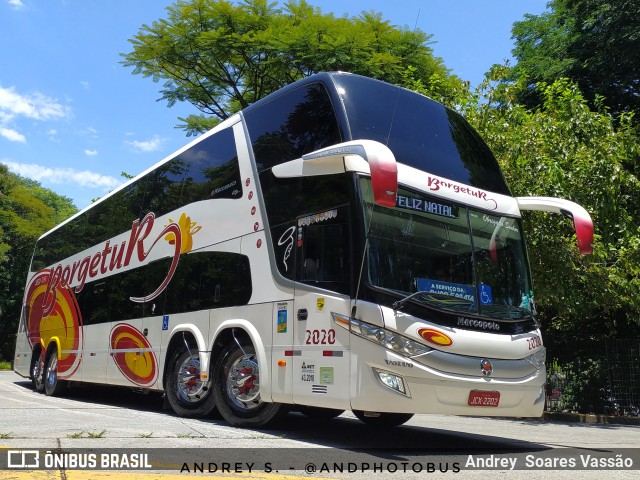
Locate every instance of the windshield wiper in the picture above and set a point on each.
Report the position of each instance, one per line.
(397, 305)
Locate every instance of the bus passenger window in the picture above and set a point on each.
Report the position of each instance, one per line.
(330, 252)
(324, 255)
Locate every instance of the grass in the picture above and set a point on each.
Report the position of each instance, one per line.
(5, 365)
(188, 435)
(5, 435)
(89, 434)
(145, 435)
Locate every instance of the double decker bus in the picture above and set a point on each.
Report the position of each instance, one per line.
(342, 244)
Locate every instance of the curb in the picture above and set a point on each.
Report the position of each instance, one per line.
(585, 418)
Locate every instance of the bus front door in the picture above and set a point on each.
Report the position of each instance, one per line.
(321, 348)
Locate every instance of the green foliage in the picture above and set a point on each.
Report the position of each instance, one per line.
(221, 56)
(585, 389)
(27, 210)
(565, 149)
(595, 43)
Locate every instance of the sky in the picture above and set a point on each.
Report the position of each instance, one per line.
(73, 118)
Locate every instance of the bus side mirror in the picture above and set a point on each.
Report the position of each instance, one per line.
(338, 158)
(581, 219)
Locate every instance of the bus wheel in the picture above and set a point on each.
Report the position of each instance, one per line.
(37, 372)
(236, 382)
(187, 394)
(383, 419)
(52, 386)
(319, 413)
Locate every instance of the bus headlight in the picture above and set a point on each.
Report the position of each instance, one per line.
(386, 338)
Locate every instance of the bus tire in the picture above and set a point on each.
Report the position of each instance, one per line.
(319, 413)
(186, 393)
(52, 385)
(236, 383)
(37, 372)
(384, 419)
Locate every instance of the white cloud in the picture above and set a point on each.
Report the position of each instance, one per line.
(35, 107)
(84, 178)
(16, 4)
(147, 145)
(12, 135)
(90, 152)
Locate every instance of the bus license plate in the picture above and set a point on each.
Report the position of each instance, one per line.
(481, 398)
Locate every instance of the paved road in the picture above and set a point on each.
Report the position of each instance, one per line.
(97, 418)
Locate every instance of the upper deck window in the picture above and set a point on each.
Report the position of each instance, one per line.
(297, 122)
(207, 170)
(419, 131)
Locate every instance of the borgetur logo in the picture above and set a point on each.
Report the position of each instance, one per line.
(23, 459)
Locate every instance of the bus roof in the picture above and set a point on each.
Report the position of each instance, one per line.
(421, 132)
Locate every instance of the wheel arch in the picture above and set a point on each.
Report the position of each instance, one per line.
(241, 328)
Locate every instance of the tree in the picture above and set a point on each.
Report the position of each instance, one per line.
(27, 210)
(595, 43)
(222, 57)
(565, 149)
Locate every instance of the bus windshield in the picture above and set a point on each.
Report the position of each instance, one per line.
(447, 256)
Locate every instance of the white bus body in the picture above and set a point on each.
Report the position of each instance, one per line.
(311, 252)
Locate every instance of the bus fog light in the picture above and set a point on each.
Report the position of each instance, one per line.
(391, 380)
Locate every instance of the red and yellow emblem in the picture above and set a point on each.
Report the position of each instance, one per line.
(62, 324)
(187, 229)
(435, 337)
(133, 355)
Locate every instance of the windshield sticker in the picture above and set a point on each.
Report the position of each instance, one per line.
(501, 222)
(456, 290)
(317, 218)
(485, 294)
(422, 205)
